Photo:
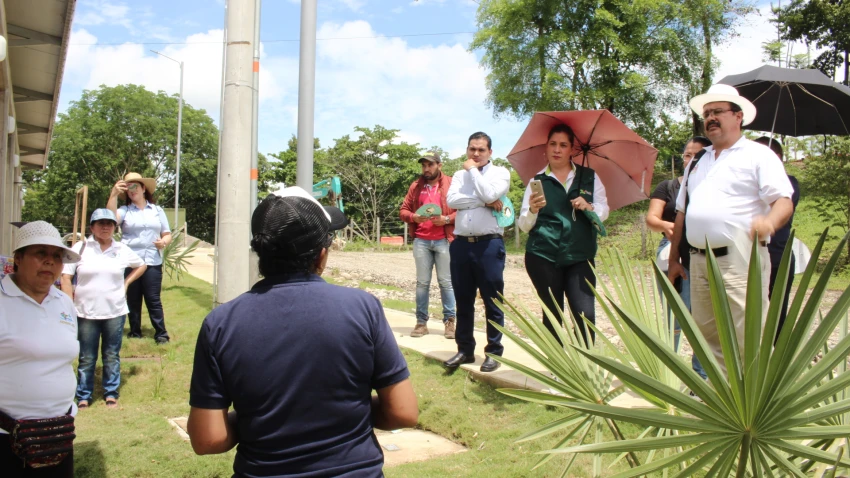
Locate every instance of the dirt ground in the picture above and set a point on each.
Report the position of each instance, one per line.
(397, 269)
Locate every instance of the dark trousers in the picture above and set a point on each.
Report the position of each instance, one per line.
(149, 287)
(569, 281)
(12, 467)
(784, 311)
(478, 267)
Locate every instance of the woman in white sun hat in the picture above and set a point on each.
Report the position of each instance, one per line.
(38, 344)
(100, 299)
(145, 229)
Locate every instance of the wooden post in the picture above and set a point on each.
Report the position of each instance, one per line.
(378, 231)
(405, 233)
(82, 199)
(516, 235)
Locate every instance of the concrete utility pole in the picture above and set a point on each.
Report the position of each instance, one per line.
(255, 118)
(235, 161)
(306, 95)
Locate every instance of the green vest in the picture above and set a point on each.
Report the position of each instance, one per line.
(556, 237)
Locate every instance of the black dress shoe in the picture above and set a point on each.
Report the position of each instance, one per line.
(490, 365)
(458, 359)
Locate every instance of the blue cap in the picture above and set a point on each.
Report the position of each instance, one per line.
(103, 213)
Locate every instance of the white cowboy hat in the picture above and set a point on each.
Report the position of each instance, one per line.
(148, 183)
(728, 93)
(43, 233)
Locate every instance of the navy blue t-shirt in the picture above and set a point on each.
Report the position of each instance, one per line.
(298, 358)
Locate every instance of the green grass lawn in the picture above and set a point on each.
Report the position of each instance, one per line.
(137, 441)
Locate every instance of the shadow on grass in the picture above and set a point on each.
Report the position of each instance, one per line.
(202, 299)
(89, 460)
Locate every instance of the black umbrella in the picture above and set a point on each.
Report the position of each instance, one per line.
(794, 102)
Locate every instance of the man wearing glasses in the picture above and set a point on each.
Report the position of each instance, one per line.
(736, 192)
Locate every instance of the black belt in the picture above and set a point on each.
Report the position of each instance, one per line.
(718, 251)
(474, 239)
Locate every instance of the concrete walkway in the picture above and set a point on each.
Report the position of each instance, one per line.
(435, 346)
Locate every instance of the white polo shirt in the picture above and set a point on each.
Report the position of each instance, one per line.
(470, 193)
(727, 192)
(38, 343)
(100, 279)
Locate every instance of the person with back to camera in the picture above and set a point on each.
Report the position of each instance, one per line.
(561, 247)
(145, 229)
(101, 303)
(297, 359)
(38, 345)
(661, 217)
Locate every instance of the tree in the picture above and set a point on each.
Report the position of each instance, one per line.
(822, 23)
(375, 172)
(284, 167)
(632, 58)
(114, 130)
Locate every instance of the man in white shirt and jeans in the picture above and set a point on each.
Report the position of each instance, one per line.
(478, 251)
(735, 192)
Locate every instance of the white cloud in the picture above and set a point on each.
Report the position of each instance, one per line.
(434, 94)
(89, 66)
(353, 5)
(97, 12)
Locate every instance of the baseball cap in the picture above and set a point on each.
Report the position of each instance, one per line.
(431, 156)
(43, 233)
(293, 222)
(103, 213)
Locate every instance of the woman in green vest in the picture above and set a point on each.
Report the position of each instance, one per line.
(561, 243)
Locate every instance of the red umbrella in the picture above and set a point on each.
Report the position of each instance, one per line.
(623, 160)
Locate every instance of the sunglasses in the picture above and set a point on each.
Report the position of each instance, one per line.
(132, 186)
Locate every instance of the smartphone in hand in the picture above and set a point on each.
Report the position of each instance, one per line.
(537, 187)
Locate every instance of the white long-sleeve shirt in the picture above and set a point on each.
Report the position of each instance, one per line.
(470, 193)
(528, 219)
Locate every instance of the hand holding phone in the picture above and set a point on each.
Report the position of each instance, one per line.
(538, 198)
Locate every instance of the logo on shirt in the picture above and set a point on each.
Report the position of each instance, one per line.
(66, 318)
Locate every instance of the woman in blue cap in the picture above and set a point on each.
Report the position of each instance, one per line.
(101, 303)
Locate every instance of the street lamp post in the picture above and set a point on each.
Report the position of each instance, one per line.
(179, 135)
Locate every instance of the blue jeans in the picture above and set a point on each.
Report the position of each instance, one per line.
(478, 268)
(90, 332)
(427, 254)
(685, 294)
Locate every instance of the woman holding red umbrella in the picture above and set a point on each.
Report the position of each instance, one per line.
(562, 240)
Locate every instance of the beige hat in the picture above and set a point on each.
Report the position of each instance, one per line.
(149, 183)
(721, 92)
(43, 233)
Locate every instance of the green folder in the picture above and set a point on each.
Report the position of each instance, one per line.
(429, 210)
(596, 222)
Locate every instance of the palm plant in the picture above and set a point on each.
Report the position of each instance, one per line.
(775, 414)
(573, 378)
(771, 415)
(174, 258)
(576, 378)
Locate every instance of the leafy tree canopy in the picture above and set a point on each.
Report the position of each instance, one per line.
(823, 23)
(632, 58)
(114, 130)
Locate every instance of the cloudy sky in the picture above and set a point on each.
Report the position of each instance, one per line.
(402, 64)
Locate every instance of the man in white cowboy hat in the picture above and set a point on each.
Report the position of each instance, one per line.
(733, 193)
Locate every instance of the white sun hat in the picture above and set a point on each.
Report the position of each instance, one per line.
(43, 233)
(720, 92)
